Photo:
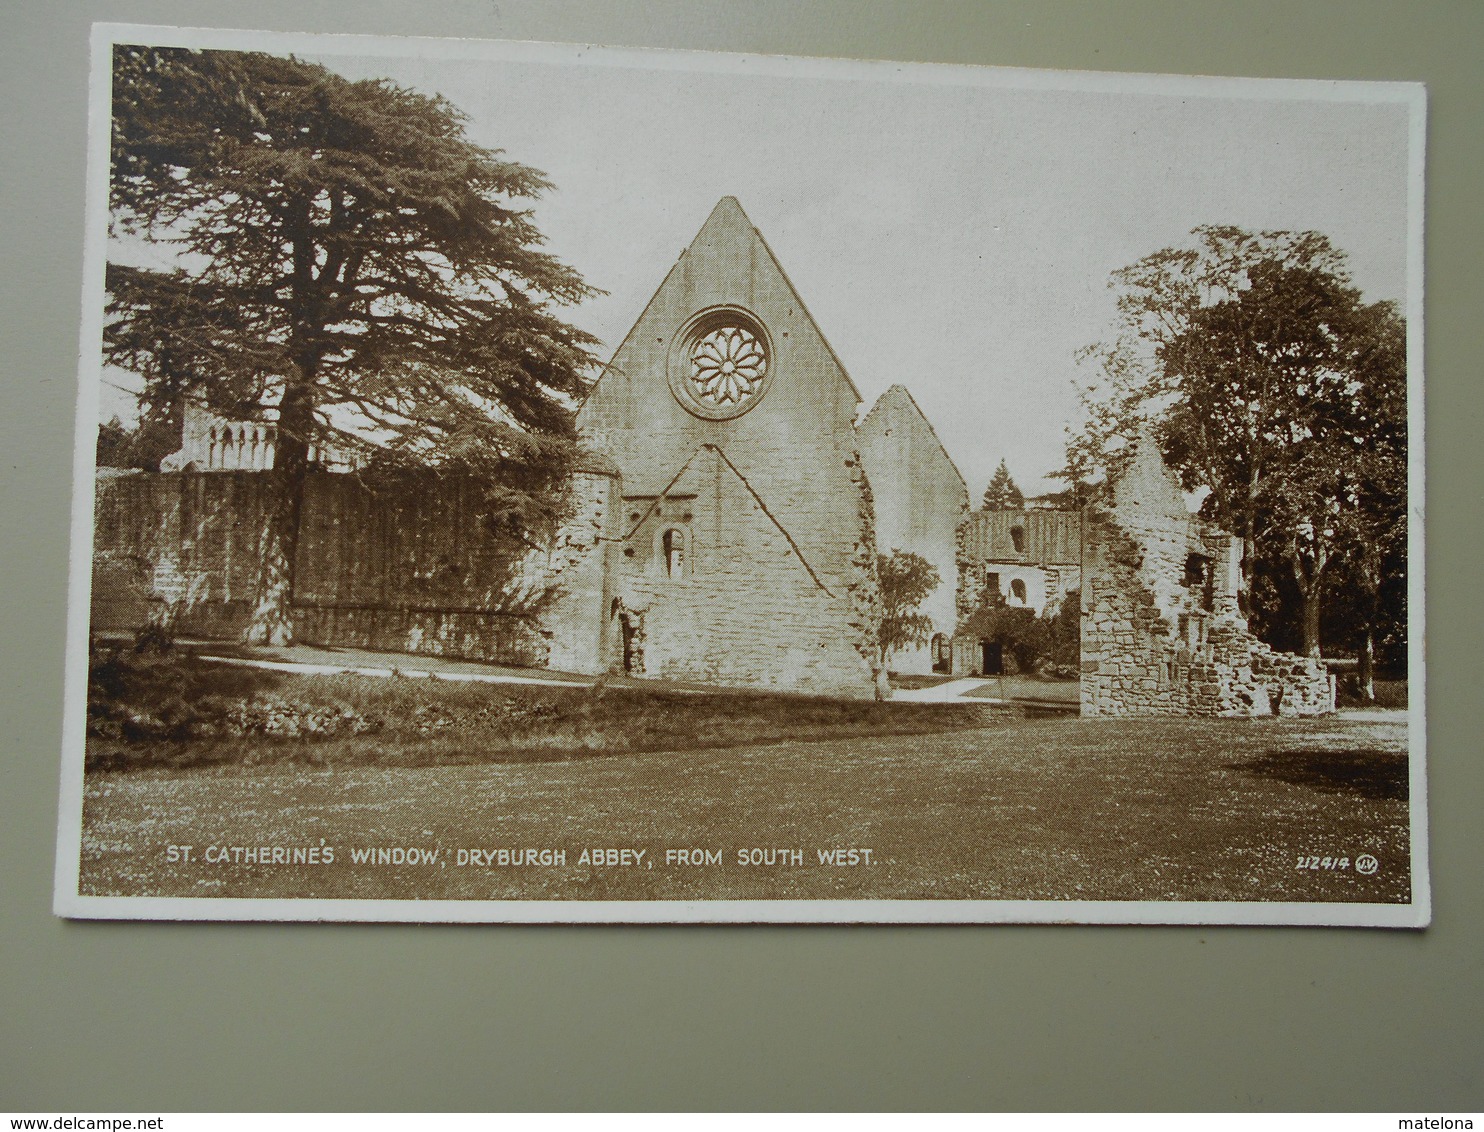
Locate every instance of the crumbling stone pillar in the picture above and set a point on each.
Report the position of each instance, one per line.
(1162, 633)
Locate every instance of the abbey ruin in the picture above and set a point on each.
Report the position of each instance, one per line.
(723, 529)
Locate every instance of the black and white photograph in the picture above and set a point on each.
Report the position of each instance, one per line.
(536, 482)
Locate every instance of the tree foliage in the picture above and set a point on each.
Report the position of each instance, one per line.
(345, 257)
(140, 448)
(1064, 635)
(1050, 641)
(1002, 494)
(1015, 628)
(905, 581)
(1270, 384)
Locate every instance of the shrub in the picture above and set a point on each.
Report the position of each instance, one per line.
(152, 691)
(1018, 631)
(1031, 643)
(1064, 636)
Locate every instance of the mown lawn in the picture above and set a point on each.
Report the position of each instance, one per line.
(175, 710)
(966, 808)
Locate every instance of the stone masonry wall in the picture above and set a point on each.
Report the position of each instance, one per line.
(919, 501)
(1045, 557)
(790, 458)
(1161, 630)
(1047, 561)
(578, 622)
(796, 447)
(739, 606)
(406, 568)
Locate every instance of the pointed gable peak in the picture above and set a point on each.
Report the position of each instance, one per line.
(729, 207)
(726, 221)
(897, 394)
(899, 398)
(1146, 483)
(729, 226)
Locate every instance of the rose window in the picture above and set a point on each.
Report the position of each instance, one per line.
(727, 366)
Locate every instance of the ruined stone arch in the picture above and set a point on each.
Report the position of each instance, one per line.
(941, 653)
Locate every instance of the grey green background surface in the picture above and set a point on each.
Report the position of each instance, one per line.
(155, 1017)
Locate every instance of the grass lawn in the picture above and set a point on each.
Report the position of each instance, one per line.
(179, 711)
(952, 806)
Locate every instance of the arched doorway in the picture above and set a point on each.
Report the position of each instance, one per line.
(942, 653)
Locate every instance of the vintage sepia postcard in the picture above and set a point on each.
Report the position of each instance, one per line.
(538, 482)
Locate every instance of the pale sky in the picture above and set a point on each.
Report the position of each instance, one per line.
(951, 229)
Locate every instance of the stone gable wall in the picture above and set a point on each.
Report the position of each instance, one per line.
(789, 464)
(919, 501)
(796, 447)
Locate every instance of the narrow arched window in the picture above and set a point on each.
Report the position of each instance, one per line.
(1017, 536)
(672, 552)
(1017, 590)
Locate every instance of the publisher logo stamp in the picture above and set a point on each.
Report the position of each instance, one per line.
(1366, 865)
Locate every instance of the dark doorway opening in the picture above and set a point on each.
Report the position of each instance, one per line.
(993, 657)
(631, 653)
(630, 657)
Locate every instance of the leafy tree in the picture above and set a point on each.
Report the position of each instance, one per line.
(905, 581)
(1248, 352)
(1064, 635)
(350, 260)
(141, 447)
(1051, 641)
(1002, 494)
(1367, 499)
(1022, 635)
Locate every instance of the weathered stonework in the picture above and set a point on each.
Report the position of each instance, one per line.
(722, 531)
(920, 499)
(579, 567)
(408, 567)
(1040, 549)
(747, 554)
(740, 605)
(210, 443)
(1029, 558)
(724, 528)
(1162, 633)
